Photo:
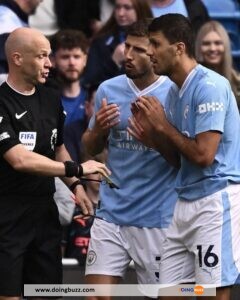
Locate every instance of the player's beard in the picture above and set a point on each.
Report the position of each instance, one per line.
(135, 75)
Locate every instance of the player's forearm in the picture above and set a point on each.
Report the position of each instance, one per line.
(168, 151)
(94, 142)
(193, 150)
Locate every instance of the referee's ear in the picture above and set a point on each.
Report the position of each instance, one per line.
(17, 58)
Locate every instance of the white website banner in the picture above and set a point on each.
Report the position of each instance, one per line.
(134, 290)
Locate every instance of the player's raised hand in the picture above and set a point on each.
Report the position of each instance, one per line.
(136, 130)
(106, 117)
(153, 113)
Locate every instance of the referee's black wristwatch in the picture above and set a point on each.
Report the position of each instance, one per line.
(74, 184)
(73, 169)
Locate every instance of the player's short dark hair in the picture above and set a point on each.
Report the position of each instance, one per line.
(69, 39)
(176, 28)
(139, 28)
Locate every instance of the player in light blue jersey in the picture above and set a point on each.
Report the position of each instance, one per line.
(135, 216)
(198, 130)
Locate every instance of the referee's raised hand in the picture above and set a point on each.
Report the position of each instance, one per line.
(92, 166)
(88, 167)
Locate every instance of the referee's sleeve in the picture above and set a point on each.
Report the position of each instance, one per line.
(8, 138)
(61, 120)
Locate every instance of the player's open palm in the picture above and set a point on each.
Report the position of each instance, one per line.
(140, 127)
(106, 117)
(153, 111)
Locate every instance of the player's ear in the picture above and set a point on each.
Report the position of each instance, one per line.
(180, 48)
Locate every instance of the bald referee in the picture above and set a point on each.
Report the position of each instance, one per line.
(31, 154)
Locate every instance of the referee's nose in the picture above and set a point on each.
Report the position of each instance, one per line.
(48, 63)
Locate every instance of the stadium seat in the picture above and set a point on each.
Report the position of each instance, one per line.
(214, 6)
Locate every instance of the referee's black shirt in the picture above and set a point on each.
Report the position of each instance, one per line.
(37, 122)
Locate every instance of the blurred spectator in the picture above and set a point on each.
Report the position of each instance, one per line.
(195, 10)
(90, 101)
(106, 9)
(87, 16)
(213, 50)
(80, 15)
(79, 231)
(66, 206)
(45, 18)
(89, 110)
(106, 52)
(64, 202)
(69, 59)
(75, 237)
(13, 14)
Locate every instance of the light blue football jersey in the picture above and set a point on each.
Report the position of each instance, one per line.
(206, 103)
(146, 195)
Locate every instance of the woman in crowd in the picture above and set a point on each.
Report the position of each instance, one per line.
(213, 50)
(105, 58)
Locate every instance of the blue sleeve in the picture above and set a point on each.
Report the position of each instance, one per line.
(211, 104)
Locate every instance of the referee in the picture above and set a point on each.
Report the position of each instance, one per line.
(31, 154)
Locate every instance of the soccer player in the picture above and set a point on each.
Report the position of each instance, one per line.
(31, 154)
(198, 130)
(135, 217)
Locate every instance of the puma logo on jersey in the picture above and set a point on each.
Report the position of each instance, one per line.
(19, 116)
